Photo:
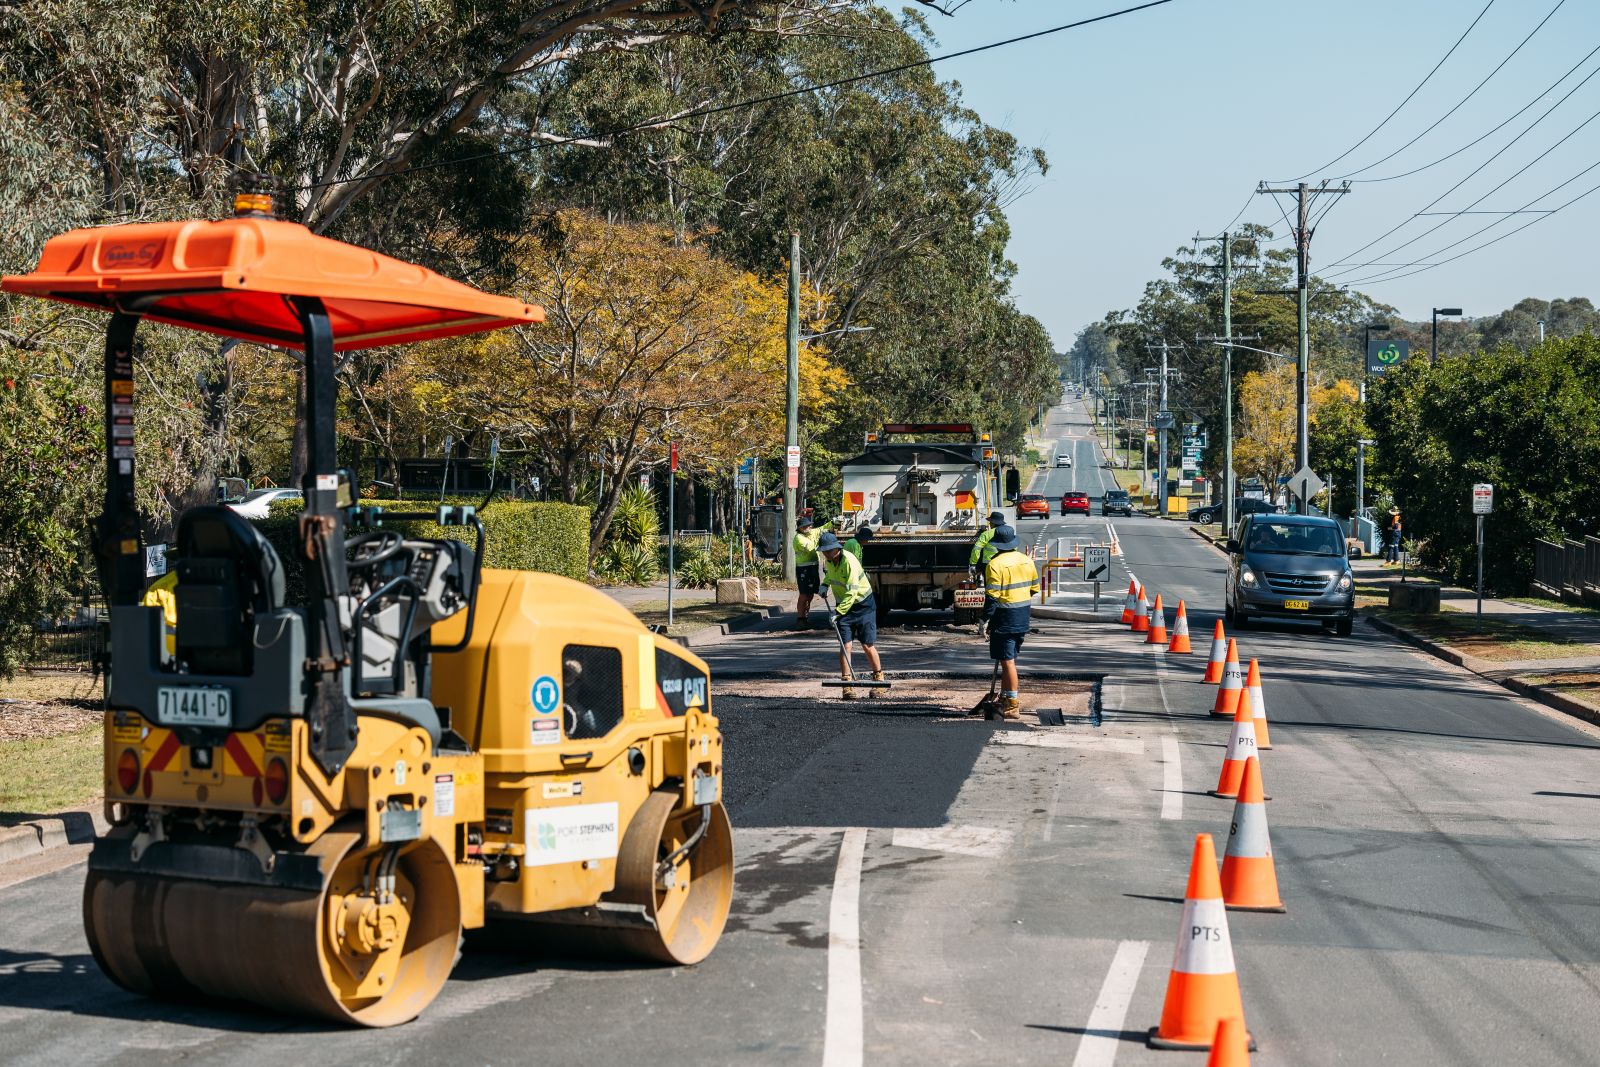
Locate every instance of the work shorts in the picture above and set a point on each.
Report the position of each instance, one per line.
(860, 623)
(808, 578)
(1004, 647)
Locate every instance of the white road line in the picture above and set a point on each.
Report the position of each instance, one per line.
(1050, 738)
(842, 1041)
(1171, 765)
(1099, 1046)
(1171, 779)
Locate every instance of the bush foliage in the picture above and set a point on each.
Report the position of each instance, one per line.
(1526, 422)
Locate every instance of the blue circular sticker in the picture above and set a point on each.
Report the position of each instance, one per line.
(546, 695)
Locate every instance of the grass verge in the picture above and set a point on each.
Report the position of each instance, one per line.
(692, 617)
(1579, 686)
(1550, 605)
(1488, 638)
(45, 774)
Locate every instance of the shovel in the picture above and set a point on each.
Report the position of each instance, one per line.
(989, 706)
(850, 682)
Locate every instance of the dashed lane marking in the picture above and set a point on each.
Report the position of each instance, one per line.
(1103, 1032)
(1171, 779)
(842, 1040)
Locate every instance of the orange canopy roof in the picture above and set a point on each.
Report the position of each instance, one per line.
(234, 277)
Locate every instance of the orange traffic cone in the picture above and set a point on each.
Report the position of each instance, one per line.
(1180, 632)
(1202, 987)
(1219, 652)
(1231, 1046)
(1158, 624)
(1141, 614)
(1232, 684)
(1241, 747)
(1249, 878)
(1130, 602)
(1258, 706)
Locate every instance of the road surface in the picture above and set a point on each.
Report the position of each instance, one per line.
(915, 889)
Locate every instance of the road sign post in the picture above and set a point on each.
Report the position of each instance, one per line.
(1306, 484)
(1097, 568)
(1482, 504)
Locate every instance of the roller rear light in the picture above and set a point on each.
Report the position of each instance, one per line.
(128, 771)
(277, 779)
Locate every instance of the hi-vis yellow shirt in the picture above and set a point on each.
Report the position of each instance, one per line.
(161, 595)
(1011, 578)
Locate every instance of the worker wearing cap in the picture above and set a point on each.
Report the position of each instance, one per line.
(982, 552)
(806, 577)
(855, 541)
(855, 612)
(1010, 581)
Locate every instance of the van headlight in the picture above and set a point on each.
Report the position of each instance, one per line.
(1345, 582)
(1247, 577)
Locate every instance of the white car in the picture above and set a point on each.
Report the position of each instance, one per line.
(1064, 459)
(255, 503)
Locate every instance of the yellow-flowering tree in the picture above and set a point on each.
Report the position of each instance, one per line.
(1264, 433)
(647, 339)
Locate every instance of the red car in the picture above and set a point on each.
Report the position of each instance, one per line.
(1071, 502)
(1033, 504)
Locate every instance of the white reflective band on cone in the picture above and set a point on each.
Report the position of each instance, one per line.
(1242, 741)
(1232, 676)
(1258, 704)
(1247, 837)
(1203, 945)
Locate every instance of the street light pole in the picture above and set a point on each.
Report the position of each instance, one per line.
(1433, 353)
(792, 436)
(1361, 480)
(1227, 384)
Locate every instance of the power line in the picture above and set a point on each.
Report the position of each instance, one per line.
(1483, 137)
(1402, 103)
(1460, 103)
(1531, 222)
(719, 109)
(1469, 176)
(1382, 275)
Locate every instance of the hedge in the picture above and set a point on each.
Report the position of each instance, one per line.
(519, 535)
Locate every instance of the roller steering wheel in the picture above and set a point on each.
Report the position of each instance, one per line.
(372, 548)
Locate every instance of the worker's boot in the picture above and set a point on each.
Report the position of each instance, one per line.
(847, 693)
(875, 691)
(1010, 708)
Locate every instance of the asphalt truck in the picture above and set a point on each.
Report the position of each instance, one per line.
(925, 490)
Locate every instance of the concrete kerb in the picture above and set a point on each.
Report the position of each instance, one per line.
(44, 832)
(748, 621)
(1486, 669)
(1214, 542)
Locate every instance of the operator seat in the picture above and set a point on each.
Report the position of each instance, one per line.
(227, 573)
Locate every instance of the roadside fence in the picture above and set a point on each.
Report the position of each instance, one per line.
(1567, 570)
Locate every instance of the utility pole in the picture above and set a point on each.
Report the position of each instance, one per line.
(1305, 197)
(792, 438)
(1163, 418)
(1228, 490)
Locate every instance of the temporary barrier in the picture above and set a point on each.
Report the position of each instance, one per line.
(1202, 987)
(1249, 878)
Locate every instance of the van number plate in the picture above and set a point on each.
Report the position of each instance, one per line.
(1297, 605)
(194, 705)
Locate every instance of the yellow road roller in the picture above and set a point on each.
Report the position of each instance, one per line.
(311, 802)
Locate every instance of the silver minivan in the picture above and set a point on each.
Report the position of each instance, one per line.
(1290, 567)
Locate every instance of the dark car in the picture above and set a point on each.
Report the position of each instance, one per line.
(1116, 502)
(1033, 504)
(1078, 502)
(1289, 567)
(1205, 514)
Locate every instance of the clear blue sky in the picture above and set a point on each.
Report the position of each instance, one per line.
(1159, 124)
